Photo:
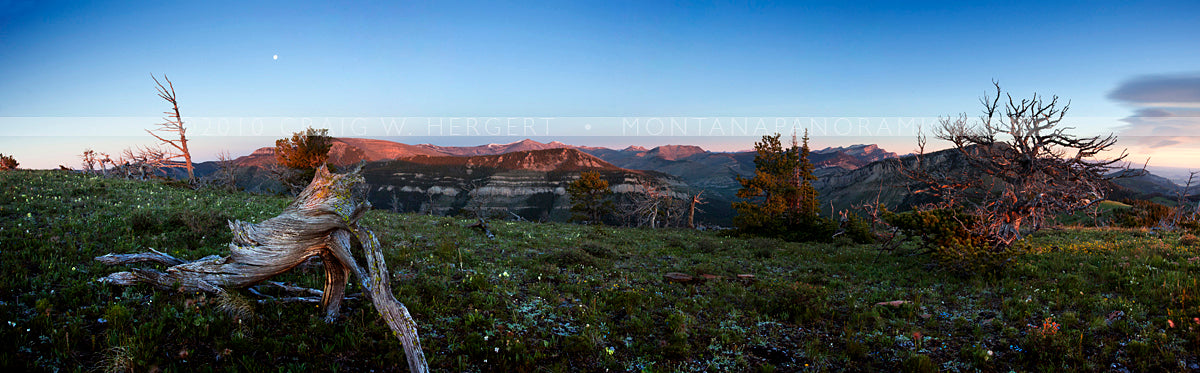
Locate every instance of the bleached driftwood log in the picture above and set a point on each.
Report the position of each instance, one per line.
(321, 222)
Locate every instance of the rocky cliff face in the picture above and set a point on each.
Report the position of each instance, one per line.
(531, 184)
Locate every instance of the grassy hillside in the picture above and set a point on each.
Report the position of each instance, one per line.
(559, 297)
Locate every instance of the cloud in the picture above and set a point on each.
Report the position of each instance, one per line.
(1164, 143)
(1153, 113)
(1166, 110)
(1182, 90)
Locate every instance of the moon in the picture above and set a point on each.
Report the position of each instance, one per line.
(275, 57)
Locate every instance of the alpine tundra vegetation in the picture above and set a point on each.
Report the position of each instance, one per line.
(553, 296)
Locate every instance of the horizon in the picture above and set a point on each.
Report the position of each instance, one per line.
(78, 76)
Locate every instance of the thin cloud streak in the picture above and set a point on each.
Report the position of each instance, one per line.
(1166, 111)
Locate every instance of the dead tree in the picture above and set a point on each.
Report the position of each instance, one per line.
(1184, 211)
(156, 161)
(322, 222)
(480, 200)
(130, 162)
(1021, 166)
(89, 159)
(7, 162)
(227, 171)
(395, 201)
(142, 161)
(696, 200)
(285, 176)
(173, 123)
(104, 160)
(645, 203)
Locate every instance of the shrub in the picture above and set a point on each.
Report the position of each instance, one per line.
(1189, 240)
(806, 229)
(857, 229)
(1142, 213)
(795, 302)
(708, 245)
(919, 364)
(571, 257)
(948, 236)
(600, 250)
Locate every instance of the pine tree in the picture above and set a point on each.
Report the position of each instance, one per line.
(780, 199)
(809, 205)
(589, 195)
(300, 155)
(305, 150)
(770, 194)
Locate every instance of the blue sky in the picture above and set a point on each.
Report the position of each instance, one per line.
(585, 59)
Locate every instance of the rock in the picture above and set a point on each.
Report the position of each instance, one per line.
(1114, 316)
(679, 277)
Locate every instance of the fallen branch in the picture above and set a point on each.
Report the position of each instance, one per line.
(483, 226)
(321, 222)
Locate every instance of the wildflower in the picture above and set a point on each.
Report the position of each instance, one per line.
(1171, 323)
(497, 349)
(610, 350)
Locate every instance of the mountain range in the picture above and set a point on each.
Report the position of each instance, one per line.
(524, 171)
(528, 178)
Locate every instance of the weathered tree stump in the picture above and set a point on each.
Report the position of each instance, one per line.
(321, 222)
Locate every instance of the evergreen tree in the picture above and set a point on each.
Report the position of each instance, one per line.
(780, 199)
(808, 207)
(300, 156)
(305, 150)
(770, 193)
(589, 196)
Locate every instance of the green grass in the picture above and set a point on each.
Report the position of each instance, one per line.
(1106, 210)
(561, 297)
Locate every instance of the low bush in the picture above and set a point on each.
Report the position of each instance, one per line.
(1141, 214)
(947, 235)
